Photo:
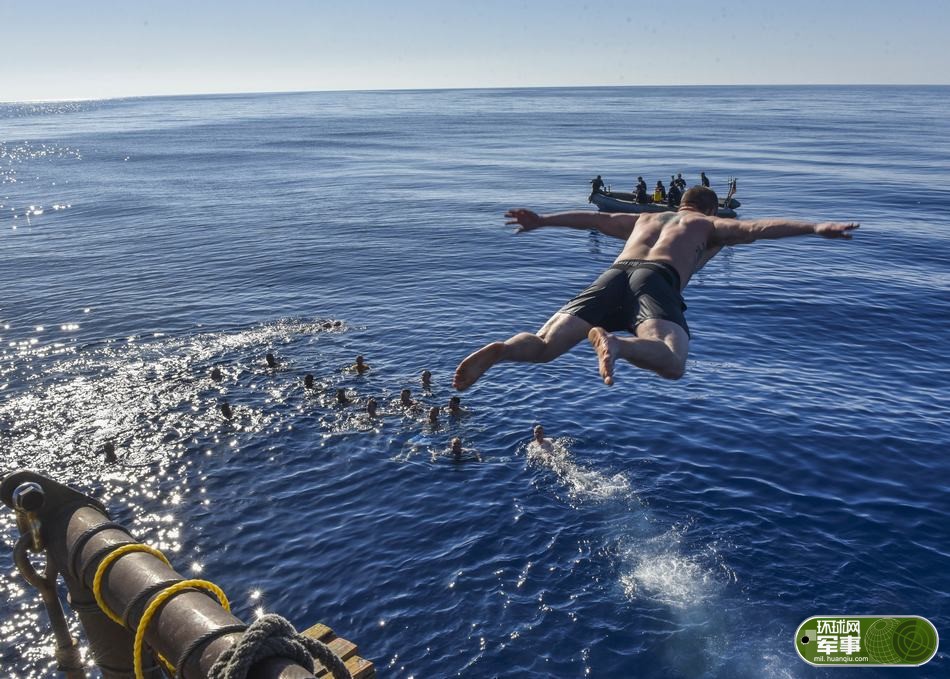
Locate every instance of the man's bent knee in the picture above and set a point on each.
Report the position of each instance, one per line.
(670, 367)
(674, 336)
(561, 333)
(673, 373)
(674, 370)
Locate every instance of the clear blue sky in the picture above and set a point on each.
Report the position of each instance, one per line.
(105, 48)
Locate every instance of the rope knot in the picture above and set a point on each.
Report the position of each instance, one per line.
(272, 636)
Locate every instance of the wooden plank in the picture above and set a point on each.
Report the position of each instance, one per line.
(343, 648)
(320, 632)
(360, 668)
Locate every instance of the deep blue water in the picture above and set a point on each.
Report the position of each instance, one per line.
(681, 529)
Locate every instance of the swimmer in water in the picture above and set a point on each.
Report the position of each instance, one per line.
(455, 407)
(371, 407)
(271, 361)
(538, 433)
(216, 374)
(308, 381)
(434, 415)
(409, 406)
(108, 451)
(341, 397)
(426, 379)
(539, 440)
(458, 453)
(225, 408)
(641, 292)
(359, 366)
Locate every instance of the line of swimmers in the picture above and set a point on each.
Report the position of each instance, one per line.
(454, 407)
(360, 367)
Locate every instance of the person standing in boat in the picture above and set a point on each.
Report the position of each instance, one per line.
(641, 293)
(659, 193)
(674, 195)
(596, 185)
(641, 191)
(704, 179)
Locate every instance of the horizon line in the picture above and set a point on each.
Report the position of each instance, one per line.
(451, 89)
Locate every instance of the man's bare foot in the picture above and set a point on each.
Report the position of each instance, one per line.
(475, 365)
(606, 346)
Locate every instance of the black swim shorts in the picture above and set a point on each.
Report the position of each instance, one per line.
(628, 293)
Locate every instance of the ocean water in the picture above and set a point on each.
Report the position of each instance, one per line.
(676, 529)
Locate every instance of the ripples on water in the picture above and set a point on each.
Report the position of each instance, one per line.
(673, 529)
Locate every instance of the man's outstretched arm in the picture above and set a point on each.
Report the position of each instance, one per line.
(618, 225)
(734, 231)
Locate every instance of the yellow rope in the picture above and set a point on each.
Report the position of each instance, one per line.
(157, 601)
(153, 607)
(104, 566)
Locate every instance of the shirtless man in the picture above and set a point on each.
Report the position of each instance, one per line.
(641, 291)
(455, 407)
(359, 367)
(539, 442)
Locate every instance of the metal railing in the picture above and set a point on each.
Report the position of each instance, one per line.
(191, 630)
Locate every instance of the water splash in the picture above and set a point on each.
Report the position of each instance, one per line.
(581, 482)
(658, 569)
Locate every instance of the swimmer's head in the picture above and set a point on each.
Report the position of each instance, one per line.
(359, 360)
(271, 361)
(341, 396)
(538, 433)
(457, 446)
(455, 404)
(371, 407)
(216, 374)
(426, 378)
(225, 408)
(108, 451)
(434, 414)
(404, 397)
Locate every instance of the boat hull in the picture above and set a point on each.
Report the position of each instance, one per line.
(609, 203)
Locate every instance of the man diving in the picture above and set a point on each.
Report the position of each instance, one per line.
(641, 291)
